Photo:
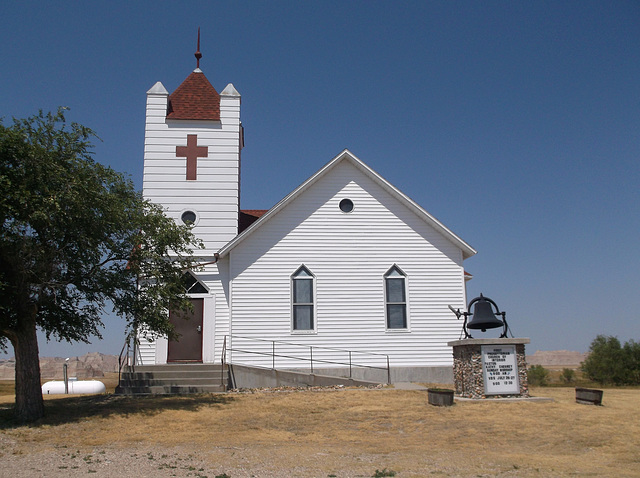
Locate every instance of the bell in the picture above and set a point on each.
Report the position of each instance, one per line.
(483, 315)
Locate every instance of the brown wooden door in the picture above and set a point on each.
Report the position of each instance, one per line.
(188, 346)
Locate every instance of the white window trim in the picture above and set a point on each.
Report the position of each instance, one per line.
(406, 329)
(314, 329)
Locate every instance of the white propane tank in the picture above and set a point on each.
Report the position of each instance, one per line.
(75, 387)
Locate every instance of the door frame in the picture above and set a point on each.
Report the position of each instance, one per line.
(201, 298)
(208, 335)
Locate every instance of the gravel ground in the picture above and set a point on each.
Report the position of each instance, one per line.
(106, 462)
(146, 462)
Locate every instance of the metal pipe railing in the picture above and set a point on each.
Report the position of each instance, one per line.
(222, 360)
(121, 360)
(311, 359)
(129, 355)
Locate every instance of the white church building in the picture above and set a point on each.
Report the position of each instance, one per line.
(345, 270)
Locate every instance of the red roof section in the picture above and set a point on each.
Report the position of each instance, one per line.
(194, 99)
(248, 217)
(254, 212)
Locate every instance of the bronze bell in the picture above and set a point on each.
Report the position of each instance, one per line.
(483, 316)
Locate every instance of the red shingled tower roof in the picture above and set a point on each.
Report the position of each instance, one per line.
(194, 99)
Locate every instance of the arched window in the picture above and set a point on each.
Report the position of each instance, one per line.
(302, 292)
(395, 298)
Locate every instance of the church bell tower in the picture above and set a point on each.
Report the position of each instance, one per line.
(193, 139)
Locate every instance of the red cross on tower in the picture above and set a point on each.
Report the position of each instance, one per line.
(192, 152)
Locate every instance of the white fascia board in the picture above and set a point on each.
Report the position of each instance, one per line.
(467, 250)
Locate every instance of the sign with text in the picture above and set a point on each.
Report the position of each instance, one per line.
(500, 369)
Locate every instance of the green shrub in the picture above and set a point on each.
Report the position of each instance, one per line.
(538, 375)
(568, 375)
(383, 473)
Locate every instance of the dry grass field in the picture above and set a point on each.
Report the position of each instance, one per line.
(324, 433)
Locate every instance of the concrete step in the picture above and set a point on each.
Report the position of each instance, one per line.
(183, 375)
(125, 380)
(173, 379)
(169, 389)
(178, 367)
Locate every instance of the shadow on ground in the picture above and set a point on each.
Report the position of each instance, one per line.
(75, 409)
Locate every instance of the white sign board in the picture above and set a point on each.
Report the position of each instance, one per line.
(500, 369)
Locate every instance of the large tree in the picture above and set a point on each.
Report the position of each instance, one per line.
(77, 240)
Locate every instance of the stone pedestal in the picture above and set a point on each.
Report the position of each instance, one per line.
(490, 368)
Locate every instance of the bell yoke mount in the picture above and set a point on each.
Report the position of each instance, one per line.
(483, 316)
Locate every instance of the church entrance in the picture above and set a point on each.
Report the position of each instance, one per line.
(188, 346)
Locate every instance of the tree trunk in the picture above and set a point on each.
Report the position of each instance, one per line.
(29, 403)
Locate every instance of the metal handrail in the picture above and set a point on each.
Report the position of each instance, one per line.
(310, 359)
(127, 355)
(224, 354)
(122, 362)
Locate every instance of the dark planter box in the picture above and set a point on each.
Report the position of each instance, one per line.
(440, 397)
(589, 396)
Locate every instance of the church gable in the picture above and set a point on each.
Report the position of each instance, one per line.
(344, 213)
(363, 174)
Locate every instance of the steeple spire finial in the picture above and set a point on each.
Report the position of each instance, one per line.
(198, 55)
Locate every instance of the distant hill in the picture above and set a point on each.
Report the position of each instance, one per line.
(91, 365)
(556, 358)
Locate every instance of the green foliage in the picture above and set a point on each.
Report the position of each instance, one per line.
(77, 240)
(383, 473)
(568, 375)
(611, 363)
(631, 354)
(538, 376)
(76, 236)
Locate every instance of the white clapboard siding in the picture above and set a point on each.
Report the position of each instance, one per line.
(349, 255)
(214, 195)
(216, 278)
(146, 351)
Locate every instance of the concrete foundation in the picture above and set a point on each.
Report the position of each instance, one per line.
(253, 377)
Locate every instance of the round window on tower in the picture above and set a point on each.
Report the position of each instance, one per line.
(346, 205)
(189, 218)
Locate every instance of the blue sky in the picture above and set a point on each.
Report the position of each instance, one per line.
(516, 124)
